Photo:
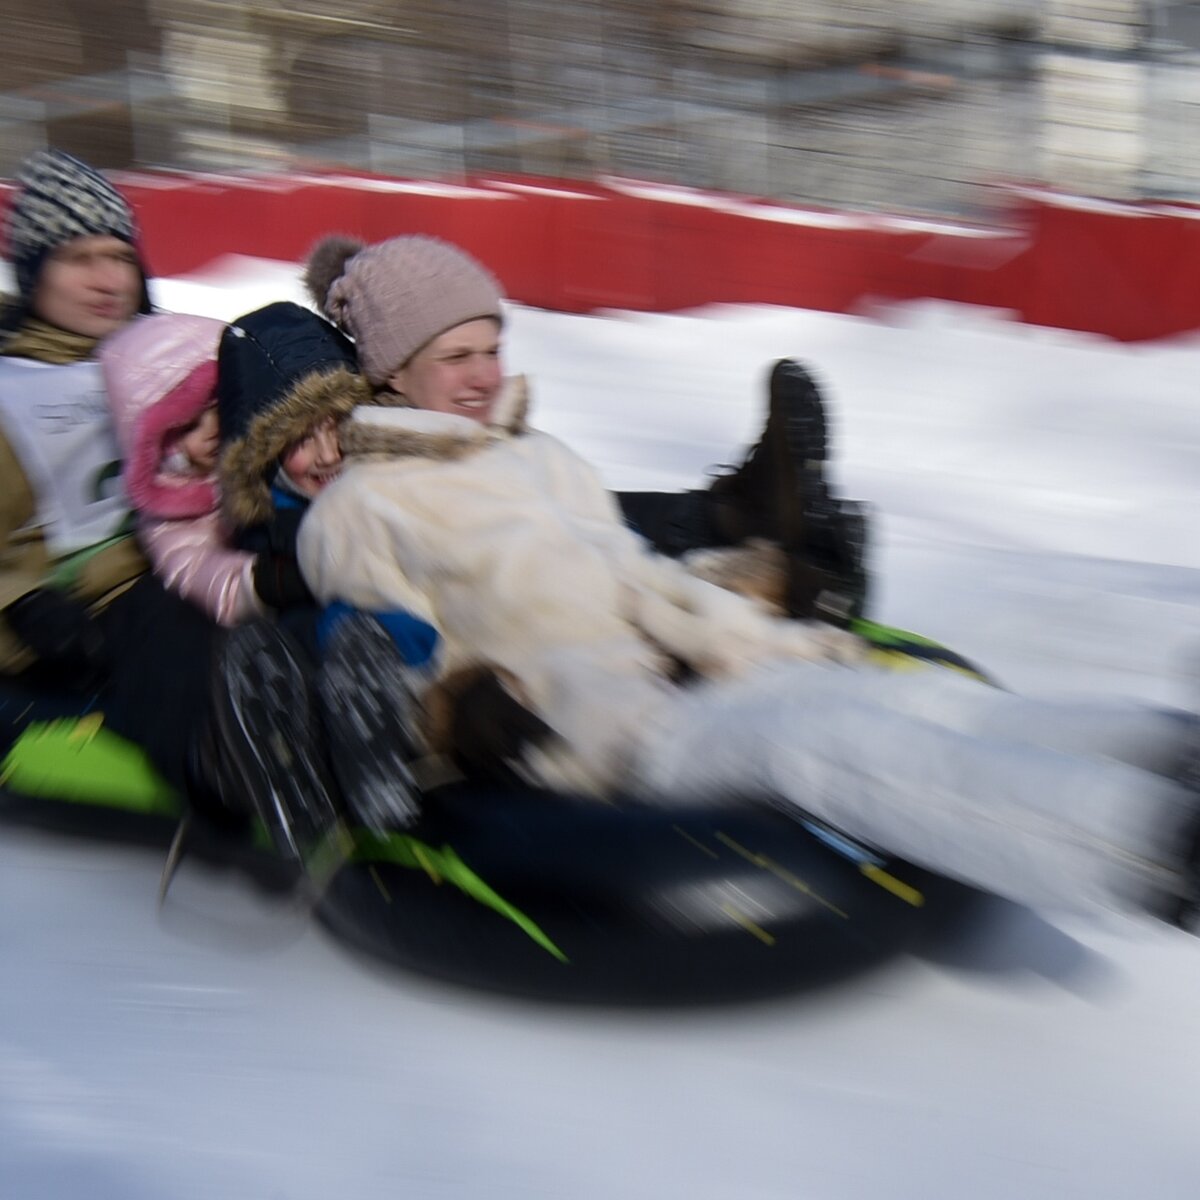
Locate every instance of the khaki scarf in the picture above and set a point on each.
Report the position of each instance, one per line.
(49, 344)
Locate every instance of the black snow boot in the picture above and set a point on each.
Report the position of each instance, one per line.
(780, 493)
(269, 737)
(764, 497)
(372, 719)
(1184, 907)
(1186, 912)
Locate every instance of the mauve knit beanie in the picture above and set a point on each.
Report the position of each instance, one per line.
(393, 297)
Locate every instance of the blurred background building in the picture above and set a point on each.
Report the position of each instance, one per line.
(907, 105)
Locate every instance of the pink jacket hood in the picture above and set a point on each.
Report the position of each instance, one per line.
(161, 373)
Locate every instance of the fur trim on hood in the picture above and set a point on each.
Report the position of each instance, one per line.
(391, 432)
(282, 371)
(247, 463)
(161, 374)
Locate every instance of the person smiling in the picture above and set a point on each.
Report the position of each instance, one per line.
(635, 678)
(459, 372)
(285, 377)
(161, 374)
(311, 463)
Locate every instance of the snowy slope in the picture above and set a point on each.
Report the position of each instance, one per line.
(1037, 498)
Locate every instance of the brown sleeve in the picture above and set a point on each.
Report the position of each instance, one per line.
(23, 560)
(439, 704)
(441, 699)
(107, 574)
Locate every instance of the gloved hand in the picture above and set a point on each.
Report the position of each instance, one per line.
(278, 581)
(489, 727)
(61, 632)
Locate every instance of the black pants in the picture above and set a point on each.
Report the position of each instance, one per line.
(162, 650)
(157, 695)
(832, 558)
(672, 522)
(28, 699)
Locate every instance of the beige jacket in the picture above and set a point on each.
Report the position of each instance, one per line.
(509, 545)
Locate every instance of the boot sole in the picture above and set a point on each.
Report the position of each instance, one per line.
(369, 713)
(267, 723)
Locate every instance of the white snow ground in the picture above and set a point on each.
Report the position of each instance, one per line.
(1037, 497)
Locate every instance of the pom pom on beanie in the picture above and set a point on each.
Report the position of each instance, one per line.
(326, 262)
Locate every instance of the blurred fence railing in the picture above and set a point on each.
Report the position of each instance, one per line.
(910, 134)
(570, 90)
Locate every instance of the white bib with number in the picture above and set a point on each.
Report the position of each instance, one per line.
(57, 421)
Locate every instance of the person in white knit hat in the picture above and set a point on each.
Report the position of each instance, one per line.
(644, 680)
(395, 297)
(770, 528)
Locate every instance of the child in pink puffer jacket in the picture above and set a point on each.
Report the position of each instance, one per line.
(161, 375)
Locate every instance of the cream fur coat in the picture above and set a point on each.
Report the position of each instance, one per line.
(509, 545)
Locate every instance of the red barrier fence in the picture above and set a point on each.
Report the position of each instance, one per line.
(1120, 270)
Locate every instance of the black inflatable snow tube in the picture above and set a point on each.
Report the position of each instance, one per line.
(629, 905)
(523, 892)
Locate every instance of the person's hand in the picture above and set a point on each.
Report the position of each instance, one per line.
(61, 632)
(278, 581)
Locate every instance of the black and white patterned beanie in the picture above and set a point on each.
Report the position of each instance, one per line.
(61, 198)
